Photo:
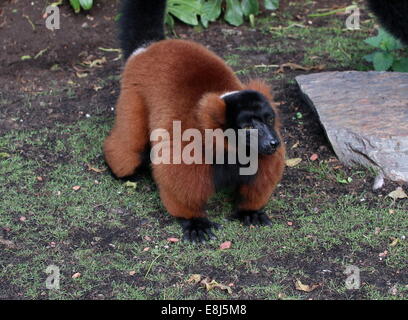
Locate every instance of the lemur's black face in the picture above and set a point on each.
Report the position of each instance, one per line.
(249, 109)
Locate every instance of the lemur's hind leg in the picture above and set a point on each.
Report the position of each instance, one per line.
(184, 191)
(124, 146)
(190, 214)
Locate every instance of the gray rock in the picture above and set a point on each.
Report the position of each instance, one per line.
(365, 116)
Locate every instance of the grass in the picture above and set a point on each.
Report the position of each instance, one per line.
(331, 46)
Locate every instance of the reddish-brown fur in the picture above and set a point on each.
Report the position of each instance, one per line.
(181, 80)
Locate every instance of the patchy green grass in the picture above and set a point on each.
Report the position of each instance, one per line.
(331, 45)
(102, 230)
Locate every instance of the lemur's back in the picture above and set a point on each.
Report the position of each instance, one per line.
(177, 72)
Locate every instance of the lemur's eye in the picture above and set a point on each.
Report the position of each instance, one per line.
(270, 121)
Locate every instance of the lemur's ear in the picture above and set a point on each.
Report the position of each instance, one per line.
(260, 86)
(265, 89)
(211, 111)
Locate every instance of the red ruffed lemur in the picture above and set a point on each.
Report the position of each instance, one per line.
(168, 80)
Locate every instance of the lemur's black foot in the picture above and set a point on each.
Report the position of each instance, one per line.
(252, 217)
(198, 229)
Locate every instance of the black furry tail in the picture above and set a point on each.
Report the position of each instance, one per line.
(141, 22)
(393, 15)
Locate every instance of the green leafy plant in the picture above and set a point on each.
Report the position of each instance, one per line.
(185, 10)
(195, 12)
(387, 56)
(78, 4)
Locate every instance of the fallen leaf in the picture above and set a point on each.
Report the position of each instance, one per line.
(225, 245)
(304, 287)
(97, 170)
(146, 249)
(56, 3)
(76, 188)
(345, 181)
(40, 179)
(295, 145)
(294, 66)
(9, 244)
(394, 242)
(76, 275)
(290, 223)
(39, 54)
(132, 273)
(55, 67)
(293, 162)
(314, 157)
(195, 278)
(113, 50)
(109, 49)
(173, 240)
(95, 63)
(22, 219)
(130, 184)
(214, 284)
(398, 193)
(81, 74)
(383, 254)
